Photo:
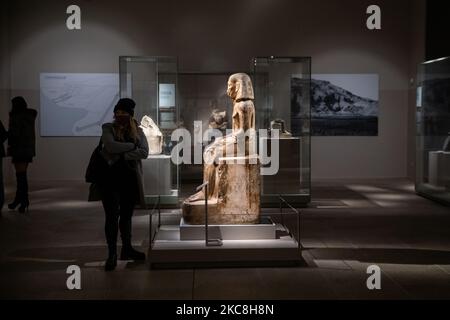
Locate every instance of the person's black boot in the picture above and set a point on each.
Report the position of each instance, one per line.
(111, 262)
(13, 205)
(24, 201)
(129, 253)
(24, 206)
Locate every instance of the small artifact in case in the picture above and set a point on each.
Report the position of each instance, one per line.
(153, 135)
(278, 124)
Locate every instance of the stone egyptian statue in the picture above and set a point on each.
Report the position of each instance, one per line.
(153, 135)
(278, 124)
(446, 146)
(218, 120)
(231, 166)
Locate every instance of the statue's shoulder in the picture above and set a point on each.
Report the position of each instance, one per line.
(243, 104)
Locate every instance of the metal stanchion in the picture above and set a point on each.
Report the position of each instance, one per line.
(159, 211)
(151, 237)
(156, 206)
(281, 209)
(297, 212)
(208, 242)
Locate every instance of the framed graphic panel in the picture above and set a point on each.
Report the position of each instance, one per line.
(76, 104)
(344, 104)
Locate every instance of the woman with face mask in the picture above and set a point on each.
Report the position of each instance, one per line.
(124, 146)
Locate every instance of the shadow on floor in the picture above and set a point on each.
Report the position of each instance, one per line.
(49, 259)
(57, 258)
(380, 255)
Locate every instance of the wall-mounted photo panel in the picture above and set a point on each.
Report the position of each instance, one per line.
(166, 95)
(77, 104)
(344, 104)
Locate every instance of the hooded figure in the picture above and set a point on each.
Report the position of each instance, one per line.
(21, 137)
(21, 147)
(3, 137)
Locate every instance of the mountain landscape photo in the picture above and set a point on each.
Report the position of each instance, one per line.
(336, 111)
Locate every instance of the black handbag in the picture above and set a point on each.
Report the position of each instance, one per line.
(97, 168)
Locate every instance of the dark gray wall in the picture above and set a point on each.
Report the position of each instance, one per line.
(5, 74)
(219, 36)
(4, 63)
(417, 55)
(436, 26)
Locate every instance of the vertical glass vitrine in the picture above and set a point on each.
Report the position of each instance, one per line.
(202, 96)
(433, 130)
(282, 101)
(152, 83)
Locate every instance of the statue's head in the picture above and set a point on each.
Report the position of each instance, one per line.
(147, 122)
(240, 87)
(277, 124)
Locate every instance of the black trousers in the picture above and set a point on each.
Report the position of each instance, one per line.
(2, 185)
(119, 196)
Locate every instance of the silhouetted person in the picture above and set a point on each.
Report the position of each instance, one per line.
(21, 148)
(3, 137)
(124, 145)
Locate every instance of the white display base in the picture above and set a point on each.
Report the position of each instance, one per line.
(439, 168)
(159, 156)
(266, 230)
(166, 199)
(288, 179)
(169, 251)
(157, 175)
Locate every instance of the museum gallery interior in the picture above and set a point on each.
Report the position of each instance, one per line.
(281, 149)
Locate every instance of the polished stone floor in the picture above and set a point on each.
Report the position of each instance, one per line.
(349, 226)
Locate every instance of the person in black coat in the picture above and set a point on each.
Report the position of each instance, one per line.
(21, 148)
(124, 146)
(3, 137)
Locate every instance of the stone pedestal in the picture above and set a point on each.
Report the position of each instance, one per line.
(288, 179)
(238, 196)
(157, 175)
(439, 168)
(266, 229)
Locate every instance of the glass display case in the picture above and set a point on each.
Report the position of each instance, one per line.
(433, 130)
(282, 101)
(234, 226)
(152, 83)
(202, 99)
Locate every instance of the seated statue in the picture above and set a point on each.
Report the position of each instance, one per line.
(219, 172)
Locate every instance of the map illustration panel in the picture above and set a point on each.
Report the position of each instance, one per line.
(77, 104)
